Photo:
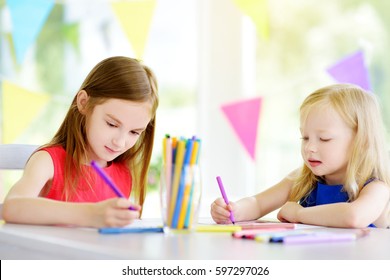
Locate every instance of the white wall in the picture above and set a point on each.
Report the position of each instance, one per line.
(226, 74)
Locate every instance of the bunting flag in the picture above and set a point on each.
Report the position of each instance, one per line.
(351, 69)
(135, 17)
(20, 107)
(27, 18)
(244, 118)
(257, 10)
(71, 32)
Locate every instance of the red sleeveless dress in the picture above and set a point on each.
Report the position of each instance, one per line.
(93, 189)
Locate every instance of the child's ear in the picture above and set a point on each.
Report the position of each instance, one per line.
(82, 100)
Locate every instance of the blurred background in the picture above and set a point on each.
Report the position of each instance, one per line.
(231, 72)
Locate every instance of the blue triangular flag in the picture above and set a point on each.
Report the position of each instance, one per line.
(27, 19)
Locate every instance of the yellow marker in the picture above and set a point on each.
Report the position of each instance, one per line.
(264, 238)
(164, 150)
(188, 186)
(217, 228)
(181, 144)
(190, 215)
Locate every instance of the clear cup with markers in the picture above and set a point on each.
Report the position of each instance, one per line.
(181, 187)
(180, 198)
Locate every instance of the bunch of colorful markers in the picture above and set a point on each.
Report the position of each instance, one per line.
(300, 236)
(180, 181)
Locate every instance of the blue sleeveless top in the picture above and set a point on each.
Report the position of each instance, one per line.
(327, 194)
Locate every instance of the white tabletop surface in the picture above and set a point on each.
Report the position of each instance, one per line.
(58, 242)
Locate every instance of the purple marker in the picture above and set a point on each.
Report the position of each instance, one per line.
(109, 182)
(225, 197)
(319, 237)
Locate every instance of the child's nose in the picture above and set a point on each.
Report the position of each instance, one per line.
(311, 146)
(120, 140)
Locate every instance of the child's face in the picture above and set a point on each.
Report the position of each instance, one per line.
(326, 144)
(114, 127)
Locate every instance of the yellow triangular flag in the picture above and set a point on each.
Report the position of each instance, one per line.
(135, 17)
(20, 107)
(257, 10)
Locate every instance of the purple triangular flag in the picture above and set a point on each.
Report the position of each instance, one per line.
(351, 69)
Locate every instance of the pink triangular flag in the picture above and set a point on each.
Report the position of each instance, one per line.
(351, 70)
(244, 118)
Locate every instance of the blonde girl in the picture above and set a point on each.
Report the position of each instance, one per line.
(345, 178)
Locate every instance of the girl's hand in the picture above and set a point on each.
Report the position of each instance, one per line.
(114, 213)
(289, 212)
(220, 212)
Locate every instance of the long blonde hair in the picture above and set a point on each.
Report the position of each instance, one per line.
(115, 77)
(369, 156)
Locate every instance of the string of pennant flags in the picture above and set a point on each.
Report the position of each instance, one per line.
(244, 115)
(28, 17)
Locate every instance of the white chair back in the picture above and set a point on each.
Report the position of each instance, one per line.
(15, 156)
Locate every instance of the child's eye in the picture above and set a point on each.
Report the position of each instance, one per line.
(135, 132)
(304, 138)
(111, 124)
(325, 139)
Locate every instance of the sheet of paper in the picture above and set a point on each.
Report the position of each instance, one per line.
(137, 226)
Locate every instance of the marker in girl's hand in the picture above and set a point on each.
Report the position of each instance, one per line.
(109, 182)
(225, 197)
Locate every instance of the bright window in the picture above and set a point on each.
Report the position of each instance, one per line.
(205, 54)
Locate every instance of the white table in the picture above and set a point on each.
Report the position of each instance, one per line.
(63, 243)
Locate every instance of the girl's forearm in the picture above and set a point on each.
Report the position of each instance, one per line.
(45, 211)
(333, 215)
(247, 209)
